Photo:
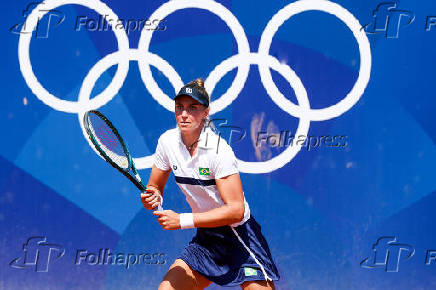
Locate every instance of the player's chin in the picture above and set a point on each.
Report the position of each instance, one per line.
(185, 126)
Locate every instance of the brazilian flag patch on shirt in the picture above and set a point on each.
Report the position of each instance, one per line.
(204, 171)
(250, 271)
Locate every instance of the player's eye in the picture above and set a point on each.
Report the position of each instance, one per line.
(189, 109)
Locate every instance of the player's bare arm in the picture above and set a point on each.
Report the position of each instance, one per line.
(231, 212)
(151, 198)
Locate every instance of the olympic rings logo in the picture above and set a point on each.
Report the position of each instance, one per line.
(242, 61)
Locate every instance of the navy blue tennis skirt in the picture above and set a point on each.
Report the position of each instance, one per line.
(217, 254)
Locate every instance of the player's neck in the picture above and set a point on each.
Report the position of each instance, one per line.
(191, 139)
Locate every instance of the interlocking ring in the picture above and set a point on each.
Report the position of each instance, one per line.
(242, 61)
(364, 49)
(237, 30)
(32, 81)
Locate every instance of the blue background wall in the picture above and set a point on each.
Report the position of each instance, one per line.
(321, 213)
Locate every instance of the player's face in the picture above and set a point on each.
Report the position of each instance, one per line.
(190, 114)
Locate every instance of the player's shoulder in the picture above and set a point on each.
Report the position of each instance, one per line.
(215, 143)
(169, 135)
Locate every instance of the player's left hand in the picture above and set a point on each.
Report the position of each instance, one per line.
(168, 219)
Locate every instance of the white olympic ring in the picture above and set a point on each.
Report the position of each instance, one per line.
(103, 65)
(235, 27)
(242, 61)
(364, 49)
(32, 81)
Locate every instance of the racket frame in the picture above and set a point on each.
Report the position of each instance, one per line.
(131, 165)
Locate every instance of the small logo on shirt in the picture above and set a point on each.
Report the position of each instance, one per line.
(175, 167)
(250, 271)
(204, 171)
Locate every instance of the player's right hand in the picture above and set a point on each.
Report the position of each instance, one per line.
(151, 198)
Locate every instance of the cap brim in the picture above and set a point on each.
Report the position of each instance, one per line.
(193, 97)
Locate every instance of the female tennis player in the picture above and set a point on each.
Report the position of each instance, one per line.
(228, 248)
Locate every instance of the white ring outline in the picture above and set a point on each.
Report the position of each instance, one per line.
(264, 61)
(238, 32)
(365, 58)
(302, 98)
(113, 59)
(26, 66)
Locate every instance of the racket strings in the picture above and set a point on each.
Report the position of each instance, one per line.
(108, 141)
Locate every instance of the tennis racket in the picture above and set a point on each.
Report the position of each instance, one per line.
(108, 142)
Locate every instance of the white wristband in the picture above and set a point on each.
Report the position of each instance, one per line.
(186, 221)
